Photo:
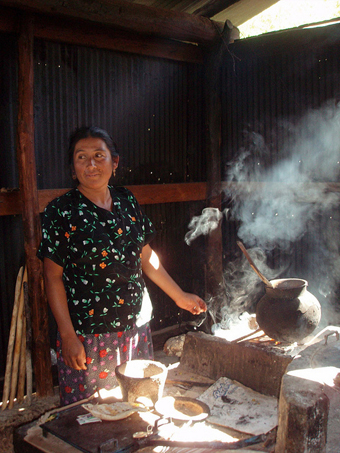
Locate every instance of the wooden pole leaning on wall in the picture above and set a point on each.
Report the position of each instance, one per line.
(11, 340)
(17, 352)
(30, 210)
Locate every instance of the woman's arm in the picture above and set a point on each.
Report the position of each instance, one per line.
(73, 351)
(153, 268)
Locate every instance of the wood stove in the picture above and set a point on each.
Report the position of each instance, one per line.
(305, 398)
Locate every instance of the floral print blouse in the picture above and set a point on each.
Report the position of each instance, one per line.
(100, 252)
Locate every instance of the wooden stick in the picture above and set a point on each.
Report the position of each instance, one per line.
(251, 262)
(188, 383)
(11, 339)
(237, 340)
(29, 371)
(17, 346)
(22, 362)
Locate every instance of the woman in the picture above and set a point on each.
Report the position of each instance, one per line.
(95, 246)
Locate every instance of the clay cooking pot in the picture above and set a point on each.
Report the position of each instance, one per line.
(141, 378)
(288, 312)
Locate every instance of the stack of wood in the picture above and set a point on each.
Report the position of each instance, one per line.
(19, 361)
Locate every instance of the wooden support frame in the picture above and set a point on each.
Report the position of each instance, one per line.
(30, 210)
(11, 201)
(72, 31)
(214, 253)
(28, 201)
(140, 19)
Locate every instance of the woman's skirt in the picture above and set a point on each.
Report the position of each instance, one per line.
(103, 353)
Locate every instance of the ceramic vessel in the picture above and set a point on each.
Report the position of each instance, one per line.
(141, 378)
(288, 312)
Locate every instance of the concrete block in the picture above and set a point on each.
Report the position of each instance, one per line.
(303, 416)
(260, 369)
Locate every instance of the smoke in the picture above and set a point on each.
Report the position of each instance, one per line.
(242, 289)
(288, 203)
(204, 224)
(282, 202)
(284, 198)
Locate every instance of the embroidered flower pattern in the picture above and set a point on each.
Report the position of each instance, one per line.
(100, 254)
(103, 353)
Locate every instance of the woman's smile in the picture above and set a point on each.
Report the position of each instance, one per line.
(93, 163)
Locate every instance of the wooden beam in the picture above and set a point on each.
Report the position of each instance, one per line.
(10, 201)
(128, 16)
(213, 7)
(68, 30)
(30, 211)
(105, 37)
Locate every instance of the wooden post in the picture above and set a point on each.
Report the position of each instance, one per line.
(30, 210)
(215, 292)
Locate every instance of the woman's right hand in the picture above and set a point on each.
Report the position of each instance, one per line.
(72, 348)
(73, 352)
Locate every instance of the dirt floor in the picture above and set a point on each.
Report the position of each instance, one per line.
(20, 414)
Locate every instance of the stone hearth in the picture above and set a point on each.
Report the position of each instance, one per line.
(309, 409)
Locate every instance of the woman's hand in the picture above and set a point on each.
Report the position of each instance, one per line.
(192, 303)
(73, 352)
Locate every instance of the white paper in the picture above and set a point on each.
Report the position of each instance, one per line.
(244, 410)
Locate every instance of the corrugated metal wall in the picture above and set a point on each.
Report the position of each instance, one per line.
(154, 110)
(280, 101)
(271, 81)
(11, 236)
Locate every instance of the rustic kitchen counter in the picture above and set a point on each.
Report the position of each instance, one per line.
(29, 438)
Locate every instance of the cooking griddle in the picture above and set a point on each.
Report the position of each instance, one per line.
(94, 437)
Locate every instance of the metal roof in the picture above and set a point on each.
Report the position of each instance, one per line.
(236, 11)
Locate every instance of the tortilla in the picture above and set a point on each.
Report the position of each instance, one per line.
(113, 411)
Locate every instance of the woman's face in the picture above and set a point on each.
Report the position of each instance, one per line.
(93, 163)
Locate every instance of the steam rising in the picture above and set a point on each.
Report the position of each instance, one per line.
(276, 214)
(203, 224)
(284, 206)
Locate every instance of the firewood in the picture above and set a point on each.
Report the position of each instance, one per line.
(17, 346)
(29, 370)
(249, 336)
(11, 340)
(22, 362)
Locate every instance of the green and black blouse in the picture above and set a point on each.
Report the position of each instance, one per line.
(100, 252)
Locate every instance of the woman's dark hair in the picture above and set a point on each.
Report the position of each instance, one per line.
(92, 131)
